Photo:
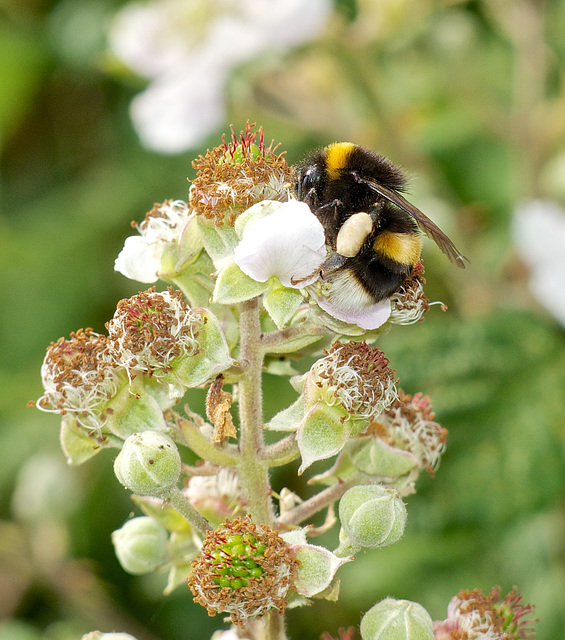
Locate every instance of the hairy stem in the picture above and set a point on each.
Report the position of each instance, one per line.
(314, 504)
(182, 504)
(253, 473)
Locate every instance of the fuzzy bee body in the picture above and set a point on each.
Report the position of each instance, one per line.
(372, 231)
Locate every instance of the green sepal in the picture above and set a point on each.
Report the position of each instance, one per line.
(201, 445)
(159, 510)
(177, 576)
(219, 242)
(288, 419)
(280, 367)
(323, 433)
(212, 358)
(134, 409)
(233, 286)
(376, 458)
(195, 280)
(78, 445)
(282, 303)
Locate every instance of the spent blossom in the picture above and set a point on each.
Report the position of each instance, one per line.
(356, 376)
(409, 425)
(234, 176)
(150, 330)
(476, 616)
(79, 377)
(244, 569)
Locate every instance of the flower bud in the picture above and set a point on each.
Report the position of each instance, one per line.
(372, 516)
(397, 620)
(141, 545)
(148, 464)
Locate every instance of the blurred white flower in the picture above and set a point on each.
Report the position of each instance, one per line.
(539, 237)
(187, 49)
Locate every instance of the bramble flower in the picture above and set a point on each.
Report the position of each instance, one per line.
(79, 378)
(355, 376)
(141, 257)
(370, 316)
(285, 241)
(244, 570)
(341, 394)
(475, 616)
(236, 175)
(539, 234)
(187, 50)
(159, 335)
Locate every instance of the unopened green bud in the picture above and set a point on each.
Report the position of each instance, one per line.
(148, 464)
(397, 620)
(372, 516)
(141, 545)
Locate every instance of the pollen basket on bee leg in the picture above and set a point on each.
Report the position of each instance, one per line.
(353, 233)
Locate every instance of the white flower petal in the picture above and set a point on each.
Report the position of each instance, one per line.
(370, 317)
(287, 243)
(139, 260)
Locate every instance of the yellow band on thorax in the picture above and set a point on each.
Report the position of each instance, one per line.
(337, 155)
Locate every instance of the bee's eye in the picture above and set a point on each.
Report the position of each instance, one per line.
(311, 178)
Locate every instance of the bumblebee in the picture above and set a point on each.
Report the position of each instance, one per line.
(372, 230)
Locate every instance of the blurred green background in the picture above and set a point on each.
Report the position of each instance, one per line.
(469, 97)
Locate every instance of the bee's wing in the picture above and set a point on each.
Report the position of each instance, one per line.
(429, 227)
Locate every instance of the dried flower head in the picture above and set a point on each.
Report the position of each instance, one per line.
(238, 174)
(356, 375)
(79, 377)
(244, 570)
(471, 615)
(409, 425)
(151, 329)
(409, 303)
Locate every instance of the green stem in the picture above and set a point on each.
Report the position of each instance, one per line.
(253, 473)
(182, 504)
(316, 503)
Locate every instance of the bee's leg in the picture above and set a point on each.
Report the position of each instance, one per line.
(330, 216)
(332, 264)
